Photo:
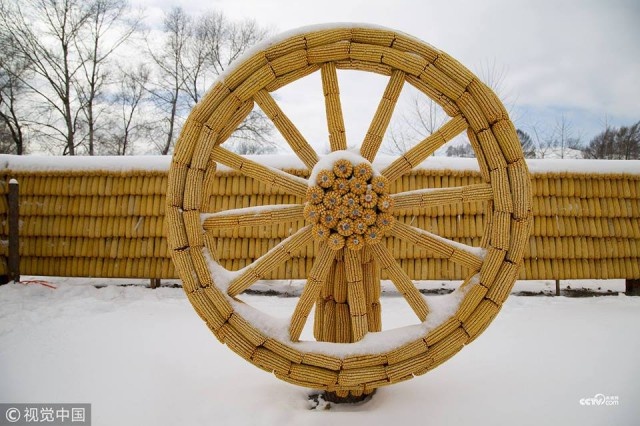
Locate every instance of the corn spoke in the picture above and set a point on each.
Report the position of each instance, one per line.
(284, 181)
(461, 254)
(252, 216)
(335, 119)
(425, 148)
(289, 131)
(382, 117)
(433, 197)
(236, 120)
(269, 261)
(317, 276)
(356, 294)
(401, 280)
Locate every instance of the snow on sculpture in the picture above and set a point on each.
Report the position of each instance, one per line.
(353, 218)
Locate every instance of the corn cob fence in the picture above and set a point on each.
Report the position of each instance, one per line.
(105, 218)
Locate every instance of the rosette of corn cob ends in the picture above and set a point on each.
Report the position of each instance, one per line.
(348, 205)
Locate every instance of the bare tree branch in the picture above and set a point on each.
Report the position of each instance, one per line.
(108, 27)
(194, 53)
(13, 70)
(615, 143)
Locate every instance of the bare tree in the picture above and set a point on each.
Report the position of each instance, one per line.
(170, 78)
(602, 146)
(615, 144)
(13, 70)
(528, 147)
(195, 52)
(462, 151)
(128, 125)
(67, 44)
(247, 147)
(494, 76)
(628, 142)
(215, 43)
(558, 142)
(547, 143)
(49, 45)
(211, 47)
(107, 28)
(564, 136)
(194, 63)
(6, 143)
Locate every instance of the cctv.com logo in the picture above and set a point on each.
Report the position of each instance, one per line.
(601, 400)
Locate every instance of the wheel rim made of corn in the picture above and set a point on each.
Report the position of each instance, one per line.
(348, 208)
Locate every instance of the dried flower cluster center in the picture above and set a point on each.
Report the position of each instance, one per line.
(349, 206)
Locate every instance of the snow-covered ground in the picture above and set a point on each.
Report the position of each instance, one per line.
(143, 357)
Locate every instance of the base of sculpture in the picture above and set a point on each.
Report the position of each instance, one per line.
(323, 401)
(350, 398)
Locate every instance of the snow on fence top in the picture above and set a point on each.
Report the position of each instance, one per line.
(41, 163)
(158, 163)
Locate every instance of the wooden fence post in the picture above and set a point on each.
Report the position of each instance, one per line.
(14, 231)
(632, 287)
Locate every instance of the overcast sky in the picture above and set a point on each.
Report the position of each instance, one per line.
(577, 58)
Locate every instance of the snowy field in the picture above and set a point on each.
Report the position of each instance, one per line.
(143, 357)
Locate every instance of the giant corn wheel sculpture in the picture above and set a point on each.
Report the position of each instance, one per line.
(348, 210)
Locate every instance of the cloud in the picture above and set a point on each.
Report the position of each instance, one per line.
(559, 55)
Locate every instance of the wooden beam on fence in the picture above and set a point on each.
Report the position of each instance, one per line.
(14, 231)
(155, 282)
(632, 287)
